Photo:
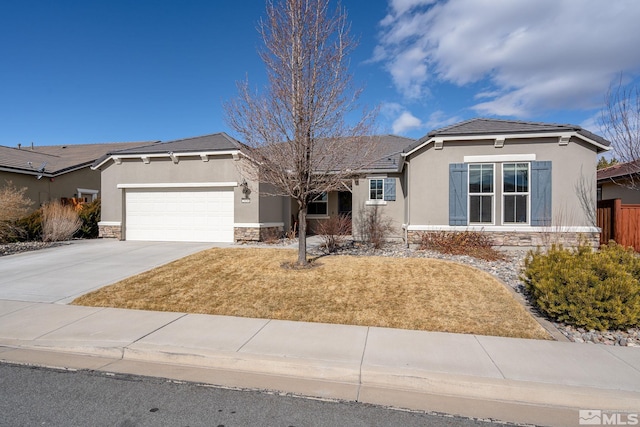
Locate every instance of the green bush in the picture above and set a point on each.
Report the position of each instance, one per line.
(586, 288)
(90, 215)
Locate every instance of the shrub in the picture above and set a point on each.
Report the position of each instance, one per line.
(59, 222)
(585, 288)
(472, 243)
(89, 215)
(13, 205)
(334, 231)
(374, 226)
(270, 235)
(31, 225)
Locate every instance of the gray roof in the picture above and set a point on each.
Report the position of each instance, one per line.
(212, 142)
(619, 170)
(482, 126)
(390, 149)
(58, 159)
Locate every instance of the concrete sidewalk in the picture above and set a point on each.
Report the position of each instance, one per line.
(517, 380)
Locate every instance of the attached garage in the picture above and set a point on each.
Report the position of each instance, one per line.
(179, 214)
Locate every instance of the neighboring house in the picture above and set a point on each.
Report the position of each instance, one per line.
(57, 171)
(621, 181)
(516, 180)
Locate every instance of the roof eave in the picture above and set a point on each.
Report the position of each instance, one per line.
(115, 156)
(476, 137)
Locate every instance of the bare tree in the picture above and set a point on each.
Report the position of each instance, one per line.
(295, 132)
(620, 124)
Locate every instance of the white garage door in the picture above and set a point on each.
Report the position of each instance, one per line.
(179, 215)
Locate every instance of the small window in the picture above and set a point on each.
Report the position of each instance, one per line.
(481, 194)
(376, 189)
(515, 177)
(318, 206)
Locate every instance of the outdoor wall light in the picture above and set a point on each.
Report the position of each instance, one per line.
(245, 189)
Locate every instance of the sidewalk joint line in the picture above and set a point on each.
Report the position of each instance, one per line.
(490, 358)
(635, 368)
(67, 324)
(253, 336)
(364, 350)
(155, 330)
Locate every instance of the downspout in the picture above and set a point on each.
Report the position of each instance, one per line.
(407, 210)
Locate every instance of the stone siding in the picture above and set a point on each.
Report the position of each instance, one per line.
(110, 231)
(256, 234)
(529, 239)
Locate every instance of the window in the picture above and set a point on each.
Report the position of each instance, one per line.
(86, 195)
(525, 193)
(381, 191)
(515, 193)
(318, 206)
(481, 194)
(376, 189)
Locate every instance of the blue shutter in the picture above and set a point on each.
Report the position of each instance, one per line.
(541, 193)
(390, 189)
(458, 193)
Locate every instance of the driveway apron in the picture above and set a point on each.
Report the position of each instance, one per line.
(60, 274)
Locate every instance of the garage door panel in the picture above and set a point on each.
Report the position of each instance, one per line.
(202, 215)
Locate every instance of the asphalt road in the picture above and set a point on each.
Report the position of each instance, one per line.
(31, 396)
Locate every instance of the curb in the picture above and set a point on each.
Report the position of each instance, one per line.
(398, 387)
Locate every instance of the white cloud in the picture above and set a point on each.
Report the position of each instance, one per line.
(406, 122)
(530, 56)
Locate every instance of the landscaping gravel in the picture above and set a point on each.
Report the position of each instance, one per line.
(14, 248)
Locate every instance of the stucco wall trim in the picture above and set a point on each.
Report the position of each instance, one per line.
(258, 224)
(503, 229)
(500, 158)
(179, 185)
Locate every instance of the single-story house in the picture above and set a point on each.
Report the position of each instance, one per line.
(56, 171)
(515, 180)
(621, 181)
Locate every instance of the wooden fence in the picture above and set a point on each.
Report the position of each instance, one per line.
(619, 222)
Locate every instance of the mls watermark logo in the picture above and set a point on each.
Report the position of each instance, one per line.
(596, 417)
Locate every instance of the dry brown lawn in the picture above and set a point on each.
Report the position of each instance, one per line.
(407, 293)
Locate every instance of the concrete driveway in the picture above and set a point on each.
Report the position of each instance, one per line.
(60, 274)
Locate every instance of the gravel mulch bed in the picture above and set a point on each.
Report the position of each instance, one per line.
(14, 248)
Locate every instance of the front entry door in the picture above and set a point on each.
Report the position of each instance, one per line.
(344, 205)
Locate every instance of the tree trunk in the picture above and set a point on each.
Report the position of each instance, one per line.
(302, 236)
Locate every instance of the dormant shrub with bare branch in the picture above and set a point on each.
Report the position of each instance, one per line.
(620, 124)
(13, 206)
(296, 135)
(59, 222)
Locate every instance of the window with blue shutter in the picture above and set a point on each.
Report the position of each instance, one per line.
(390, 189)
(541, 193)
(458, 194)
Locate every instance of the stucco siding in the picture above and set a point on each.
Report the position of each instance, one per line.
(271, 207)
(187, 170)
(629, 196)
(428, 175)
(391, 210)
(45, 189)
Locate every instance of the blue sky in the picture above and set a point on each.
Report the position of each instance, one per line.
(101, 71)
